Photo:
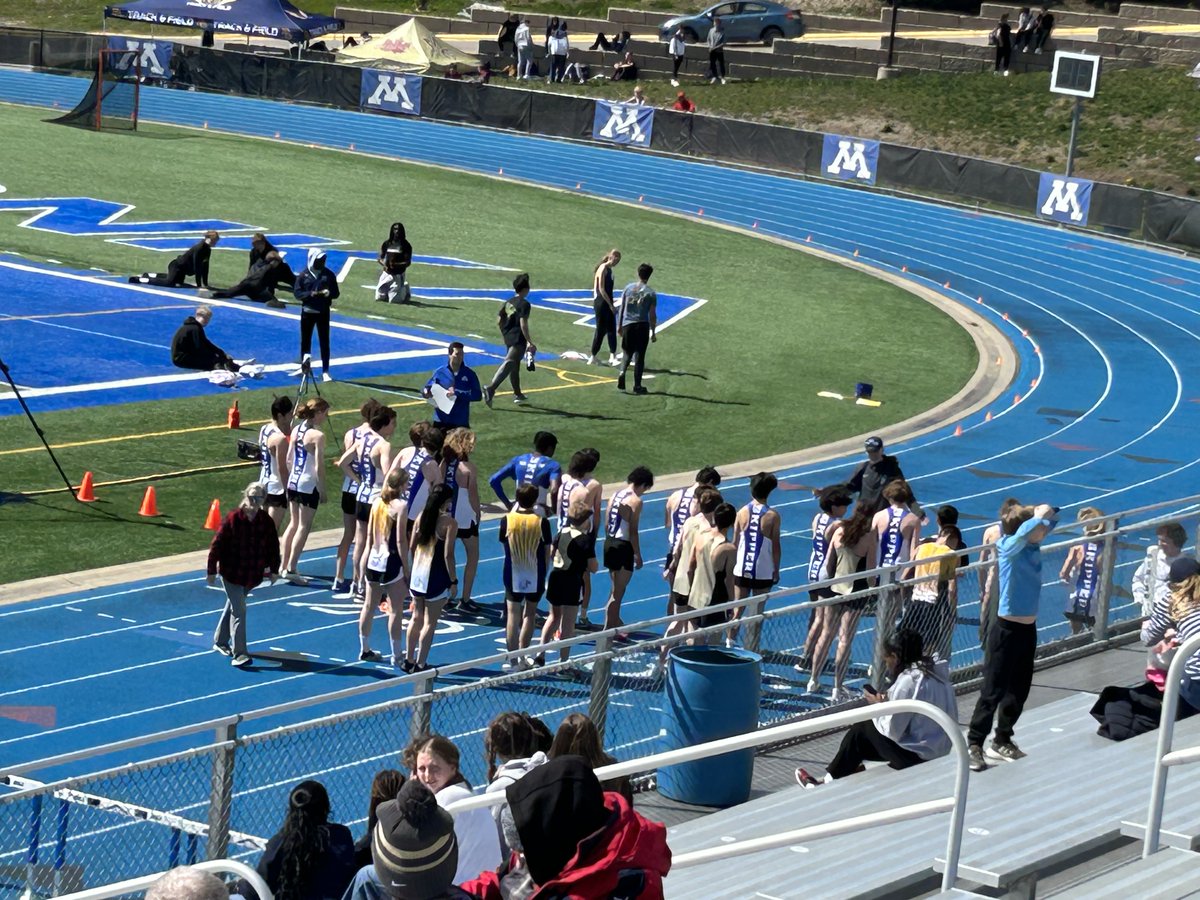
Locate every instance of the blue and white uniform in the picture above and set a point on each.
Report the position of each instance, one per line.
(528, 468)
(416, 491)
(356, 433)
(369, 486)
(682, 513)
(568, 484)
(820, 547)
(303, 477)
(755, 560)
(618, 525)
(460, 504)
(892, 548)
(430, 577)
(1087, 582)
(268, 471)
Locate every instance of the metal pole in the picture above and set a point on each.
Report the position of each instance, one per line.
(1107, 568)
(1075, 114)
(1166, 732)
(220, 802)
(892, 35)
(601, 676)
(422, 717)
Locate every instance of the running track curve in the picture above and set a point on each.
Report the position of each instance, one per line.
(1108, 385)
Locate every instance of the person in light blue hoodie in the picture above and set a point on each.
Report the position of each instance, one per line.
(901, 739)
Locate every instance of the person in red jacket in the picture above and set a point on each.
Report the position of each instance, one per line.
(577, 841)
(683, 104)
(244, 549)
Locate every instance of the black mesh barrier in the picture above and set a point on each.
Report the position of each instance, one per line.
(558, 115)
(215, 70)
(110, 102)
(308, 82)
(475, 104)
(1170, 220)
(672, 131)
(20, 47)
(1118, 209)
(908, 168)
(70, 52)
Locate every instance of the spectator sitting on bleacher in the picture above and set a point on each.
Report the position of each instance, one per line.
(309, 858)
(185, 883)
(638, 98)
(1150, 581)
(577, 841)
(384, 787)
(578, 736)
(902, 739)
(511, 739)
(1125, 712)
(625, 69)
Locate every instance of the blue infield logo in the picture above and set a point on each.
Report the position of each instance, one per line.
(89, 217)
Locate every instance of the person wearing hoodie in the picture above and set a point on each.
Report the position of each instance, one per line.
(193, 262)
(577, 841)
(191, 348)
(316, 289)
(414, 851)
(901, 739)
(511, 739)
(395, 256)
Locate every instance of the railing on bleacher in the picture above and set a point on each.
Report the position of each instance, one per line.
(955, 805)
(1164, 757)
(136, 885)
(216, 814)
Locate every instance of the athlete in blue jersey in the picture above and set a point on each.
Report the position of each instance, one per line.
(898, 531)
(537, 468)
(365, 463)
(1083, 565)
(833, 502)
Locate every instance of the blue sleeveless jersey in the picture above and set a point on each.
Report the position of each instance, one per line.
(368, 474)
(892, 541)
(682, 513)
(820, 547)
(299, 458)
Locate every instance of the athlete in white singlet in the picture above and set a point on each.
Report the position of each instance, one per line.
(462, 478)
(622, 546)
(344, 589)
(578, 482)
(759, 548)
(273, 458)
(306, 483)
(365, 463)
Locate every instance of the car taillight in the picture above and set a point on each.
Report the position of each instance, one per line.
(791, 14)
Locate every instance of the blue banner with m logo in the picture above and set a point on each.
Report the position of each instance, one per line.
(623, 123)
(1064, 199)
(849, 159)
(154, 57)
(390, 91)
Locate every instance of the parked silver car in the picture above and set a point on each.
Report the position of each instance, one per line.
(746, 22)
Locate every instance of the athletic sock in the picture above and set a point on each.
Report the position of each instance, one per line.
(397, 652)
(364, 643)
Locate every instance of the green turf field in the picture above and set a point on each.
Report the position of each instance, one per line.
(734, 380)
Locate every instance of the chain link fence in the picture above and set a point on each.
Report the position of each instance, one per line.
(227, 797)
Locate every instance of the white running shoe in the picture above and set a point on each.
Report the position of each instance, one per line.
(326, 377)
(840, 695)
(245, 362)
(240, 661)
(814, 687)
(295, 578)
(299, 370)
(674, 83)
(591, 361)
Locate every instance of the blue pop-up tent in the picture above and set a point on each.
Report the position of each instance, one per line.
(261, 18)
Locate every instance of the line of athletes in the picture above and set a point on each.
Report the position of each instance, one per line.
(404, 513)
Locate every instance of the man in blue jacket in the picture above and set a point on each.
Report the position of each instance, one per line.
(316, 289)
(461, 383)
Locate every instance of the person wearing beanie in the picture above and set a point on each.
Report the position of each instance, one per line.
(414, 851)
(514, 328)
(577, 840)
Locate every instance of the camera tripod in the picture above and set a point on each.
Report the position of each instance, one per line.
(37, 429)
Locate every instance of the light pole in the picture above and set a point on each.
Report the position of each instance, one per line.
(887, 70)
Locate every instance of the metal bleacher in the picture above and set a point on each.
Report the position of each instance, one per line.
(1066, 800)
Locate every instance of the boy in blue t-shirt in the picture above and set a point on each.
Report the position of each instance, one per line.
(537, 468)
(1008, 663)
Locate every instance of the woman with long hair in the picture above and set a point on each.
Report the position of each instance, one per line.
(431, 577)
(605, 308)
(852, 548)
(1175, 619)
(273, 458)
(309, 858)
(578, 736)
(385, 567)
(350, 588)
(511, 740)
(434, 761)
(461, 476)
(384, 787)
(306, 482)
(901, 739)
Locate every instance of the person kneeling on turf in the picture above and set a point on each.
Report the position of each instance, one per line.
(191, 348)
(259, 283)
(193, 261)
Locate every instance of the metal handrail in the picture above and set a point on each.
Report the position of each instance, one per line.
(136, 885)
(955, 805)
(1164, 758)
(549, 648)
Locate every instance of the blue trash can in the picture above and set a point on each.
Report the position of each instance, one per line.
(711, 693)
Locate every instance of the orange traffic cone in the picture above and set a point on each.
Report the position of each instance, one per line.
(235, 415)
(958, 431)
(988, 417)
(213, 521)
(149, 503)
(86, 493)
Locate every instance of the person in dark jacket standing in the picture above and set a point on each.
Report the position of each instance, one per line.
(873, 474)
(716, 51)
(514, 328)
(193, 262)
(245, 547)
(1001, 39)
(316, 289)
(191, 348)
(309, 858)
(395, 256)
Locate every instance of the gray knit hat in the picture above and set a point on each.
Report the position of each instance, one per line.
(413, 847)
